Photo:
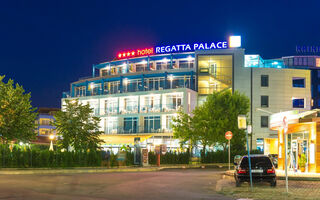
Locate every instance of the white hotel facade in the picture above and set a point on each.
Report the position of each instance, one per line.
(138, 94)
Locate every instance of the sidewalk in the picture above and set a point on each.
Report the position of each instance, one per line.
(291, 175)
(104, 169)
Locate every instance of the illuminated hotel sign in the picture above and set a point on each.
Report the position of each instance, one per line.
(234, 41)
(191, 47)
(136, 53)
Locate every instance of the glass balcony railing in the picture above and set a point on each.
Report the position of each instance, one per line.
(150, 108)
(143, 109)
(135, 130)
(129, 109)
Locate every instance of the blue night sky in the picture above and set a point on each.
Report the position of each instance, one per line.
(46, 45)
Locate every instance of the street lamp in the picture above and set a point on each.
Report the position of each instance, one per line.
(51, 137)
(242, 124)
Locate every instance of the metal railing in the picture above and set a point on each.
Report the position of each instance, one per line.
(143, 109)
(135, 130)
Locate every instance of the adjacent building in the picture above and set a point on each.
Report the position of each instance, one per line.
(138, 93)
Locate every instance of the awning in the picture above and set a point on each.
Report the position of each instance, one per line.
(122, 139)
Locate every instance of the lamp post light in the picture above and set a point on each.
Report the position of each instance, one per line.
(51, 137)
(170, 79)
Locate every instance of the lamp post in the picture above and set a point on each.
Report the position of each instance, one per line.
(51, 137)
(242, 124)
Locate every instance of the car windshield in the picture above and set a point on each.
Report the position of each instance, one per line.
(256, 162)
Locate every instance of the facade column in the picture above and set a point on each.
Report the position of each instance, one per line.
(121, 84)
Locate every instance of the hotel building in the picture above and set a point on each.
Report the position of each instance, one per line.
(138, 93)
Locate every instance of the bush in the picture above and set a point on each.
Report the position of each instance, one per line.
(169, 158)
(222, 156)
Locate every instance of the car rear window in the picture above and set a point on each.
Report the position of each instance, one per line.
(256, 162)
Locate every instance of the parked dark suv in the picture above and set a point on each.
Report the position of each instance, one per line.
(261, 167)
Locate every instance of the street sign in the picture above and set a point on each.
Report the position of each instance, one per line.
(228, 135)
(242, 122)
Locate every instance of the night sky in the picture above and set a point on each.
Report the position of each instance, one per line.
(46, 45)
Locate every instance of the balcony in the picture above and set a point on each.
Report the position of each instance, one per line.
(143, 109)
(136, 130)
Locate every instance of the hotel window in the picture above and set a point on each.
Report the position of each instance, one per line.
(130, 125)
(150, 103)
(152, 124)
(264, 101)
(131, 85)
(80, 91)
(215, 73)
(169, 122)
(111, 125)
(44, 121)
(173, 101)
(298, 82)
(111, 87)
(130, 105)
(95, 88)
(179, 82)
(264, 81)
(44, 131)
(111, 106)
(186, 64)
(141, 67)
(297, 103)
(264, 121)
(152, 84)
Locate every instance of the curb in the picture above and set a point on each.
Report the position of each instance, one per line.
(281, 177)
(17, 171)
(76, 171)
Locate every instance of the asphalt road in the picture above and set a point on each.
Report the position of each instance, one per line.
(171, 184)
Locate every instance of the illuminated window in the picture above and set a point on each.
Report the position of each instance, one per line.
(111, 106)
(317, 62)
(215, 73)
(152, 124)
(130, 125)
(45, 131)
(111, 125)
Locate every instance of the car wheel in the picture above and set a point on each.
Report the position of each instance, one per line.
(238, 183)
(273, 183)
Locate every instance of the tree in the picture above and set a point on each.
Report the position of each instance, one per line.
(183, 129)
(212, 119)
(17, 116)
(222, 109)
(77, 126)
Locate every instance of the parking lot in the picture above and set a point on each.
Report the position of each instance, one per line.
(297, 189)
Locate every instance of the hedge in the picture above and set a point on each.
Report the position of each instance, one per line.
(169, 158)
(38, 157)
(222, 156)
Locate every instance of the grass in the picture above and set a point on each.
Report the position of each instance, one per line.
(306, 190)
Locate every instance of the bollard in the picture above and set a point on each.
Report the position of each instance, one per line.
(158, 159)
